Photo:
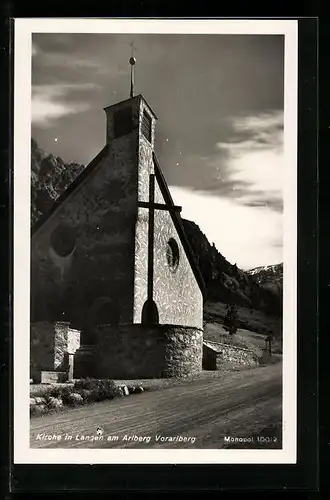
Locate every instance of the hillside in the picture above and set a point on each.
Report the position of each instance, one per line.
(270, 277)
(225, 282)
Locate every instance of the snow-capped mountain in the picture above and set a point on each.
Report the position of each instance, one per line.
(271, 270)
(270, 277)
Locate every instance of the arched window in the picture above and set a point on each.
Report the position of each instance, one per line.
(172, 254)
(150, 314)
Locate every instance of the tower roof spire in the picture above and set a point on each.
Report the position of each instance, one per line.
(132, 62)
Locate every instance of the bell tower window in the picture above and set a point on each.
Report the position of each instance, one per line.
(146, 125)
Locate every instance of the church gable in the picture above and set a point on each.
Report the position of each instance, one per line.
(170, 282)
(165, 194)
(176, 289)
(72, 189)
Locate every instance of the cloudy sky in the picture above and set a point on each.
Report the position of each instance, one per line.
(219, 137)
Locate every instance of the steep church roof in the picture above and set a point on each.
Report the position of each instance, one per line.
(70, 189)
(178, 224)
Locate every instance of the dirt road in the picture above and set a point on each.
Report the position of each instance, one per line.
(199, 414)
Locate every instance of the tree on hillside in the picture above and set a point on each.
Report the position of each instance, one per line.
(230, 321)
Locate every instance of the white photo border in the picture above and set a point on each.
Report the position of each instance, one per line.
(23, 30)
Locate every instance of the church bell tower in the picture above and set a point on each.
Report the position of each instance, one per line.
(132, 116)
(130, 131)
(130, 136)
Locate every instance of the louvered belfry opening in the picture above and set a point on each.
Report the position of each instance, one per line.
(146, 125)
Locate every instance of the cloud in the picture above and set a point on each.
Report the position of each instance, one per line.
(255, 159)
(72, 61)
(245, 165)
(77, 58)
(247, 236)
(50, 102)
(45, 112)
(239, 201)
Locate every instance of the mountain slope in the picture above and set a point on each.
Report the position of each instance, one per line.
(270, 277)
(226, 282)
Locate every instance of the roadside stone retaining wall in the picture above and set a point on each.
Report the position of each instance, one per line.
(220, 356)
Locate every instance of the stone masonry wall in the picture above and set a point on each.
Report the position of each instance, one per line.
(229, 356)
(73, 340)
(66, 341)
(236, 356)
(135, 351)
(60, 344)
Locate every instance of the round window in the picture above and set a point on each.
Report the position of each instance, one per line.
(63, 240)
(172, 254)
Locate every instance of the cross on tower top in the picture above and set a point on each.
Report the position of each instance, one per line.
(132, 62)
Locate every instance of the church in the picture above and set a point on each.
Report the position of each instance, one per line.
(115, 289)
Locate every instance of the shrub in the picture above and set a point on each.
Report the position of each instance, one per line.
(83, 391)
(97, 390)
(60, 392)
(66, 393)
(86, 394)
(230, 321)
(54, 403)
(108, 390)
(87, 383)
(36, 410)
(74, 399)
